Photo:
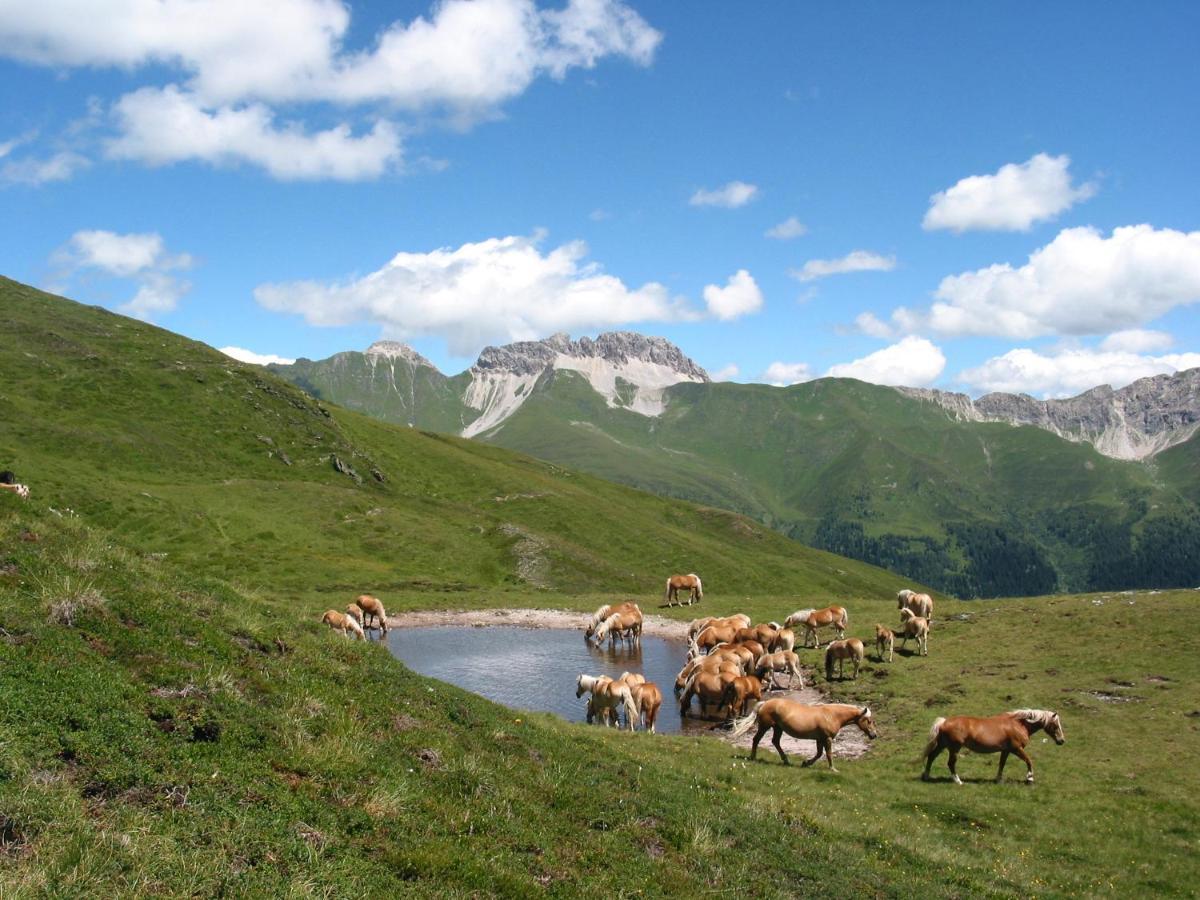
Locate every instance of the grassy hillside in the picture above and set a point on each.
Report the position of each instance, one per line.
(168, 734)
(224, 469)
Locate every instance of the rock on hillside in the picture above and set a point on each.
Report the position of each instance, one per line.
(1135, 422)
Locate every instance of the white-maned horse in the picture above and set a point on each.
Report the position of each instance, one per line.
(608, 696)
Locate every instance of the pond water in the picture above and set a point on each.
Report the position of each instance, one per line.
(536, 668)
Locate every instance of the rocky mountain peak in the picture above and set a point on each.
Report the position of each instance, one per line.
(1133, 422)
(616, 347)
(397, 350)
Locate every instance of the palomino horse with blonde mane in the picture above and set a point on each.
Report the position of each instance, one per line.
(885, 639)
(625, 625)
(649, 699)
(372, 606)
(1006, 733)
(690, 583)
(814, 723)
(839, 652)
(913, 626)
(347, 625)
(782, 661)
(741, 693)
(709, 687)
(605, 612)
(920, 604)
(812, 619)
(607, 697)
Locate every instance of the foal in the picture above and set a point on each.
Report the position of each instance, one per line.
(885, 639)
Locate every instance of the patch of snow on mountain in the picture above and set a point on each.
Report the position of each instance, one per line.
(498, 394)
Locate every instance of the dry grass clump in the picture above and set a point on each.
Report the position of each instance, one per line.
(67, 599)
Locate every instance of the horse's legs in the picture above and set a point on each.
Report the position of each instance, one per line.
(775, 740)
(1000, 771)
(1020, 751)
(820, 750)
(933, 754)
(827, 743)
(953, 763)
(762, 729)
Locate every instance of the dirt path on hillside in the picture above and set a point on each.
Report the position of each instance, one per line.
(850, 744)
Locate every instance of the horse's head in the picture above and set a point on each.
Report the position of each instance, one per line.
(906, 614)
(1055, 730)
(579, 687)
(866, 723)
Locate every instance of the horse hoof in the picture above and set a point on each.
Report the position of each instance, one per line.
(957, 780)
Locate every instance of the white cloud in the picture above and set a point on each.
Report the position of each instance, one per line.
(739, 297)
(500, 289)
(141, 257)
(781, 374)
(1012, 199)
(258, 359)
(231, 62)
(1137, 340)
(1070, 372)
(726, 373)
(789, 228)
(729, 196)
(32, 171)
(1080, 283)
(855, 261)
(913, 362)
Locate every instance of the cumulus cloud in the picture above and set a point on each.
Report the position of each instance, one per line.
(167, 126)
(258, 359)
(236, 61)
(855, 261)
(500, 289)
(1070, 372)
(1080, 283)
(139, 257)
(729, 196)
(789, 228)
(1011, 199)
(725, 373)
(781, 374)
(912, 362)
(739, 297)
(36, 171)
(1137, 340)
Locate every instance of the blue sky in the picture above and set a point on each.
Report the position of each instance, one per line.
(978, 198)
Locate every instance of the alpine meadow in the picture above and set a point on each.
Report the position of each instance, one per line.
(599, 448)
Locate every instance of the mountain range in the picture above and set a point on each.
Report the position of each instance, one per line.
(1005, 494)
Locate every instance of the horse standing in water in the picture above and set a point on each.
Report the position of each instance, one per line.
(607, 697)
(1005, 734)
(690, 583)
(814, 723)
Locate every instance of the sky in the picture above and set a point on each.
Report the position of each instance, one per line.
(949, 195)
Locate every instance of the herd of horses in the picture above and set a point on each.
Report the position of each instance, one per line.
(358, 616)
(732, 664)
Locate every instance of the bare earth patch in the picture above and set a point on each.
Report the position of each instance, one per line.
(849, 744)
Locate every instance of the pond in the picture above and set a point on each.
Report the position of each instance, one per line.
(536, 668)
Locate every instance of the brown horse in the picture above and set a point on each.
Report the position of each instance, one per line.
(741, 693)
(624, 625)
(783, 661)
(714, 663)
(709, 687)
(920, 604)
(607, 610)
(785, 639)
(649, 699)
(690, 583)
(885, 639)
(913, 626)
(1006, 733)
(347, 625)
(710, 637)
(354, 611)
(763, 633)
(738, 620)
(372, 606)
(607, 697)
(814, 723)
(839, 652)
(812, 619)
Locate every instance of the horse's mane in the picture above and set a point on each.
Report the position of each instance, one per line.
(801, 615)
(1040, 717)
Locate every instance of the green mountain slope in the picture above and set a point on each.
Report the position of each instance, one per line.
(222, 467)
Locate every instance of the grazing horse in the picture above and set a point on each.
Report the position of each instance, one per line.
(738, 620)
(624, 625)
(605, 612)
(712, 635)
(914, 627)
(783, 661)
(347, 625)
(607, 697)
(885, 639)
(763, 633)
(741, 693)
(815, 723)
(691, 583)
(709, 687)
(354, 611)
(649, 699)
(812, 619)
(920, 604)
(1006, 733)
(371, 606)
(839, 652)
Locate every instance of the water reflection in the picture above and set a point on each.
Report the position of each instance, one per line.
(536, 668)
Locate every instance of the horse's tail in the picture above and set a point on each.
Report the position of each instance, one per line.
(934, 732)
(845, 617)
(699, 588)
(631, 708)
(742, 725)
